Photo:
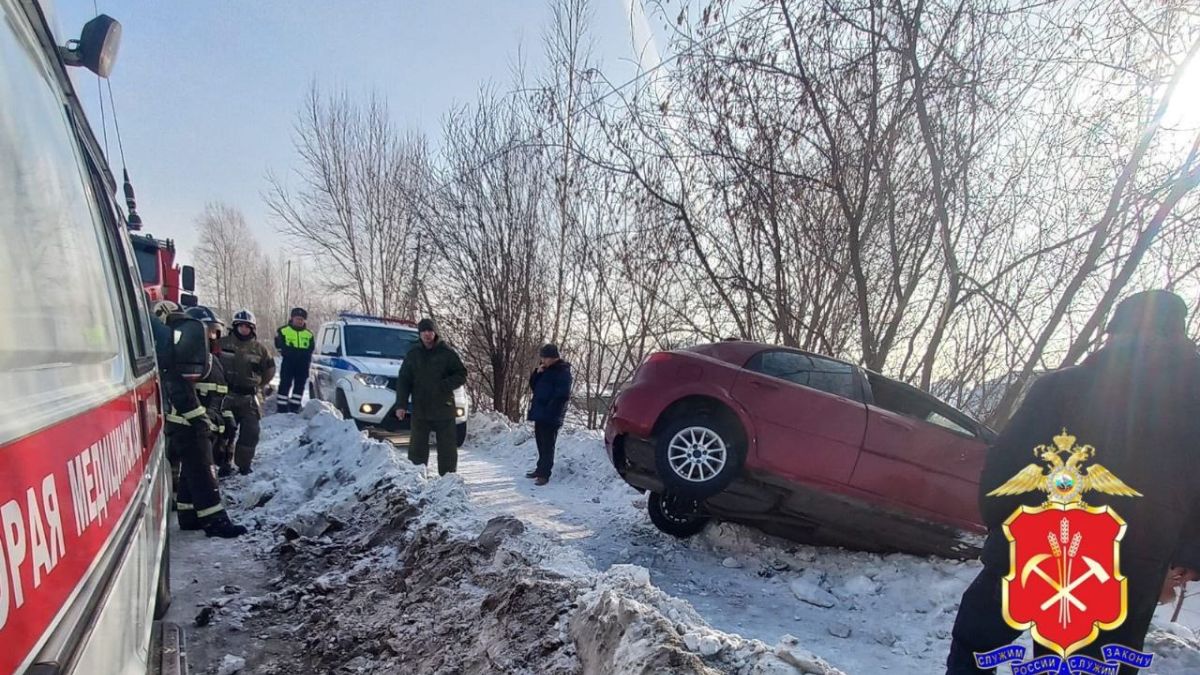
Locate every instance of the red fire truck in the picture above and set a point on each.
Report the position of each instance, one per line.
(84, 486)
(161, 277)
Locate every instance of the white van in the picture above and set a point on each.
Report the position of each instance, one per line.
(355, 364)
(84, 486)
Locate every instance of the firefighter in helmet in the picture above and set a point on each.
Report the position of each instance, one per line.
(190, 427)
(250, 369)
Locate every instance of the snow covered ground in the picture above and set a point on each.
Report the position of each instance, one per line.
(360, 563)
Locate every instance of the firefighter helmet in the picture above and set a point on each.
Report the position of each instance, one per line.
(205, 315)
(164, 308)
(244, 316)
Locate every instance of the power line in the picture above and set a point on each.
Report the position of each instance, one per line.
(116, 126)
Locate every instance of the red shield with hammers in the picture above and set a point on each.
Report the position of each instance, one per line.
(1064, 581)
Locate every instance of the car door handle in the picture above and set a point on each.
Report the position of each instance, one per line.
(764, 385)
(896, 423)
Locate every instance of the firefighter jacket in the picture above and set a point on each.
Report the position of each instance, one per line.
(295, 346)
(211, 392)
(250, 365)
(188, 402)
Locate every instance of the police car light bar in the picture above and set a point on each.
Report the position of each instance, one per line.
(379, 319)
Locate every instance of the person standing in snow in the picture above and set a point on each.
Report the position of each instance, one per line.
(251, 369)
(551, 387)
(1137, 401)
(192, 417)
(295, 344)
(429, 375)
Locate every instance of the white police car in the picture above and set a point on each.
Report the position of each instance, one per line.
(355, 364)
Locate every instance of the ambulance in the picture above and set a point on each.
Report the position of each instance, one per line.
(84, 486)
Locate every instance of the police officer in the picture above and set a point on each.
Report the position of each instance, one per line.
(295, 344)
(189, 429)
(1136, 401)
(250, 369)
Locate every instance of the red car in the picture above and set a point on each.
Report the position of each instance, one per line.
(800, 445)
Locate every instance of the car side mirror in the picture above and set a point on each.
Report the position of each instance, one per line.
(96, 48)
(188, 300)
(187, 278)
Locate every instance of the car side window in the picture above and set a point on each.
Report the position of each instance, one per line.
(332, 342)
(946, 423)
(825, 375)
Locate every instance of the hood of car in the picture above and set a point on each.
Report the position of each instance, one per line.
(373, 366)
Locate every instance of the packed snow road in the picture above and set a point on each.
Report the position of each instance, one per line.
(359, 563)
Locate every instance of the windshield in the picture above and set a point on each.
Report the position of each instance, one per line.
(379, 341)
(147, 262)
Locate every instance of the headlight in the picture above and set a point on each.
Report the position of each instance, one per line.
(372, 380)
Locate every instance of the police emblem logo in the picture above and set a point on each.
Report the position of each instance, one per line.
(1064, 583)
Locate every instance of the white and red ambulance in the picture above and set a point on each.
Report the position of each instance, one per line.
(84, 486)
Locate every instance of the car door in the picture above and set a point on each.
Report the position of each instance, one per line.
(808, 413)
(921, 453)
(327, 351)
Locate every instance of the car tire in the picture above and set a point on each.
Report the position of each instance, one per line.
(677, 516)
(162, 596)
(460, 433)
(698, 454)
(344, 407)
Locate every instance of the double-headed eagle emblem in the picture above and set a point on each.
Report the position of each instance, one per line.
(1064, 482)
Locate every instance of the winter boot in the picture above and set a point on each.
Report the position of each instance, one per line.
(531, 474)
(219, 525)
(541, 480)
(246, 471)
(187, 518)
(225, 471)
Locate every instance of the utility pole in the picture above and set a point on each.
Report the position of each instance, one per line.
(287, 289)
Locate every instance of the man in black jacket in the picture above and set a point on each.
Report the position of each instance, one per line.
(190, 425)
(1137, 401)
(429, 375)
(551, 386)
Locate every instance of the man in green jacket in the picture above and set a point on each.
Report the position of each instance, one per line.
(429, 375)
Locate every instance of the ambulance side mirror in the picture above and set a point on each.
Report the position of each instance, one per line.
(96, 48)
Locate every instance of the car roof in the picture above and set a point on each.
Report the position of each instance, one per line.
(738, 352)
(374, 323)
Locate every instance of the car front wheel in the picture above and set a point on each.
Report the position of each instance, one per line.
(677, 516)
(698, 455)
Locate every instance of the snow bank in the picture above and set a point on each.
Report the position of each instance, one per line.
(384, 568)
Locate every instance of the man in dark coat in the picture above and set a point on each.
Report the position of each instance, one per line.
(1137, 401)
(429, 375)
(551, 386)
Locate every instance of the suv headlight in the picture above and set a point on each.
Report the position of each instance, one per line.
(380, 381)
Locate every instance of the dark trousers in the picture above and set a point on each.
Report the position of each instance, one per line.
(292, 378)
(247, 413)
(546, 435)
(197, 494)
(447, 443)
(980, 625)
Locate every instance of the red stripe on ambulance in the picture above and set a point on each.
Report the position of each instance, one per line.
(62, 492)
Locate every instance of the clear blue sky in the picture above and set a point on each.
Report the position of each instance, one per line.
(207, 91)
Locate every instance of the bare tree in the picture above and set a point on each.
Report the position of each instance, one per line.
(353, 208)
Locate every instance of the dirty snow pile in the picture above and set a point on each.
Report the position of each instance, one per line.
(377, 568)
